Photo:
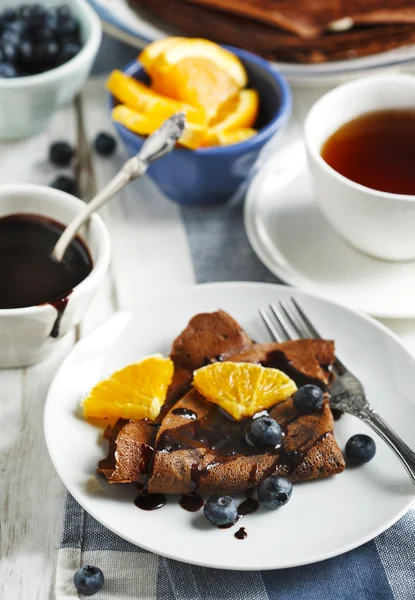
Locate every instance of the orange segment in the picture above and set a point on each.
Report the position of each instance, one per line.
(192, 137)
(196, 81)
(135, 392)
(181, 49)
(243, 389)
(153, 50)
(234, 136)
(243, 115)
(140, 97)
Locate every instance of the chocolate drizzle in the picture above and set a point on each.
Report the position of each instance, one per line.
(186, 413)
(241, 534)
(147, 501)
(191, 502)
(60, 306)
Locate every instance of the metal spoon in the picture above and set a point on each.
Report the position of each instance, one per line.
(158, 144)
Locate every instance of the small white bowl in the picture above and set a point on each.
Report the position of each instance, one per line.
(25, 332)
(378, 223)
(27, 103)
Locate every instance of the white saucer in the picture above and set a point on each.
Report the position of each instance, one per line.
(292, 238)
(354, 506)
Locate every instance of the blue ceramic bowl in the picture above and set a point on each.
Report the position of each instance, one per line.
(210, 176)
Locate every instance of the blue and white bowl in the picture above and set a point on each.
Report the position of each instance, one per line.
(210, 176)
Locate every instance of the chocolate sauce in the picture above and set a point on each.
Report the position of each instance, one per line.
(185, 413)
(147, 501)
(29, 276)
(191, 502)
(60, 306)
(241, 534)
(247, 507)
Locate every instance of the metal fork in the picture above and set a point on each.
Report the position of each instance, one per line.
(347, 392)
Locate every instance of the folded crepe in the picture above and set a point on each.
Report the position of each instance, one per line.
(310, 19)
(199, 448)
(349, 39)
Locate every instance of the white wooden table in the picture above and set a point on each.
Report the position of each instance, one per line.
(150, 253)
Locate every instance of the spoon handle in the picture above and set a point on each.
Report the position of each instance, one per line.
(131, 170)
(158, 144)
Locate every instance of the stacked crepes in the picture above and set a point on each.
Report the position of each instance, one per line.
(194, 446)
(302, 31)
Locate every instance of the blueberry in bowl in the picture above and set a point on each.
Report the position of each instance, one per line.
(46, 53)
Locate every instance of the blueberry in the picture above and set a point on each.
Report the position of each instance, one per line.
(65, 184)
(24, 11)
(88, 580)
(68, 51)
(274, 491)
(26, 53)
(9, 51)
(7, 71)
(45, 34)
(68, 26)
(60, 153)
(16, 27)
(308, 399)
(10, 14)
(105, 144)
(46, 52)
(64, 11)
(221, 510)
(37, 16)
(360, 449)
(265, 431)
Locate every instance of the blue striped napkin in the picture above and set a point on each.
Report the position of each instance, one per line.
(383, 569)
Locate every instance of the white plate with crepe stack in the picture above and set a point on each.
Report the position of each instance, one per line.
(324, 517)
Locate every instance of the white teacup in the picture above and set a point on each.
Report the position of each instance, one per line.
(378, 223)
(25, 332)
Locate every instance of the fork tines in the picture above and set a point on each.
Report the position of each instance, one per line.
(288, 321)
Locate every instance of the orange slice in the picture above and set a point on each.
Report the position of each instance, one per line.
(178, 50)
(155, 49)
(140, 97)
(135, 392)
(242, 116)
(234, 136)
(192, 137)
(196, 81)
(243, 389)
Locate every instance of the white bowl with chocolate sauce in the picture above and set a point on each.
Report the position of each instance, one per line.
(360, 141)
(41, 300)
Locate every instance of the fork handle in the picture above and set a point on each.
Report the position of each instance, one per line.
(396, 443)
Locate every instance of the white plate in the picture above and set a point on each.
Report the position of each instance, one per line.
(323, 519)
(138, 28)
(292, 238)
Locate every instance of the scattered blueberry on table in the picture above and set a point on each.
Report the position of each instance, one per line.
(64, 184)
(360, 449)
(35, 39)
(61, 154)
(274, 491)
(105, 144)
(88, 580)
(308, 398)
(222, 511)
(265, 432)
